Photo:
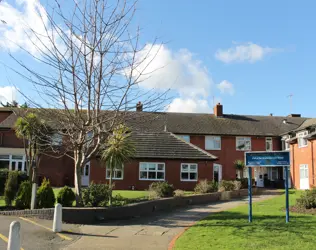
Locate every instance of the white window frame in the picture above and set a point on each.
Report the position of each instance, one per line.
(184, 137)
(10, 160)
(285, 140)
(115, 170)
(306, 170)
(189, 171)
(269, 140)
(56, 139)
(156, 170)
(213, 138)
(301, 136)
(243, 138)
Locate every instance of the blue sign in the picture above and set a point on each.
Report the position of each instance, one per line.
(267, 159)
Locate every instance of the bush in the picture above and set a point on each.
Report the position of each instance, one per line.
(96, 195)
(66, 197)
(160, 189)
(45, 195)
(307, 199)
(244, 183)
(3, 178)
(226, 186)
(178, 193)
(206, 186)
(11, 187)
(23, 198)
(237, 185)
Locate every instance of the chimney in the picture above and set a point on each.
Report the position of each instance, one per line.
(218, 110)
(271, 114)
(139, 107)
(294, 115)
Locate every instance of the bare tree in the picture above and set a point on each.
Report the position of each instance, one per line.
(90, 76)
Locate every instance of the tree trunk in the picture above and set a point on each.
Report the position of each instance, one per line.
(110, 186)
(78, 183)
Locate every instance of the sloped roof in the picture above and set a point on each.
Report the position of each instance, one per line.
(166, 145)
(9, 121)
(307, 123)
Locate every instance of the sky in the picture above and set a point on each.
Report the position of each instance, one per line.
(254, 57)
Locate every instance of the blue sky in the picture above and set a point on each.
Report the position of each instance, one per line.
(249, 55)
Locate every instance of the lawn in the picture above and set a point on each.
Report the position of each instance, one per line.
(231, 230)
(2, 203)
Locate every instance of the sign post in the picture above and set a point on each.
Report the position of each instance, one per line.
(268, 159)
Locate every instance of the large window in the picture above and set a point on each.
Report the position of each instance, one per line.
(243, 143)
(269, 144)
(285, 142)
(151, 171)
(189, 172)
(302, 141)
(57, 139)
(117, 173)
(212, 142)
(184, 137)
(13, 162)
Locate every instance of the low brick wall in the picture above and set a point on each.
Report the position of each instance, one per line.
(92, 215)
(47, 213)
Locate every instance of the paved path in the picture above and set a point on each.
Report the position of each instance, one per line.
(155, 232)
(36, 234)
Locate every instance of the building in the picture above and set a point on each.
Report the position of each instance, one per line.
(181, 148)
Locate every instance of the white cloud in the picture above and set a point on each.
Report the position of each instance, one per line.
(189, 106)
(247, 52)
(226, 87)
(8, 94)
(164, 69)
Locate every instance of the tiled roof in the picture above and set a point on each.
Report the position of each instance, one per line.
(307, 123)
(9, 121)
(166, 145)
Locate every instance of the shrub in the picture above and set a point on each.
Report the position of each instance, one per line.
(3, 178)
(226, 186)
(96, 195)
(23, 198)
(11, 186)
(66, 197)
(161, 189)
(244, 183)
(206, 186)
(307, 199)
(237, 185)
(178, 193)
(45, 195)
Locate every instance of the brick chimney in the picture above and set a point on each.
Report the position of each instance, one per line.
(218, 110)
(139, 107)
(294, 115)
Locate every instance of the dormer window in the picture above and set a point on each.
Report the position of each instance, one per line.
(301, 138)
(285, 142)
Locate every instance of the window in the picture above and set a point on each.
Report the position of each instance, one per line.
(12, 162)
(302, 141)
(212, 142)
(285, 142)
(243, 143)
(274, 174)
(303, 171)
(189, 172)
(269, 144)
(117, 173)
(151, 171)
(57, 139)
(89, 139)
(4, 161)
(184, 137)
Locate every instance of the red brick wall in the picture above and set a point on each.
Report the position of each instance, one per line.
(228, 153)
(8, 139)
(305, 155)
(172, 174)
(60, 171)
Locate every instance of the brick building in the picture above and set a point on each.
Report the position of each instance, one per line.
(181, 148)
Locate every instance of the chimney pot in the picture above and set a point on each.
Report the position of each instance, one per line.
(218, 110)
(139, 106)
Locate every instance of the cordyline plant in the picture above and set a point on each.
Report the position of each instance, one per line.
(119, 149)
(239, 165)
(91, 65)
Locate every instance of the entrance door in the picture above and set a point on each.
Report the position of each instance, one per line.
(304, 180)
(259, 177)
(217, 172)
(85, 175)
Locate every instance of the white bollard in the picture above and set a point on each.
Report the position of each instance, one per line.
(57, 224)
(33, 198)
(14, 236)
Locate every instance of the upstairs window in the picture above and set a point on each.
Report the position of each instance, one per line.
(184, 137)
(243, 143)
(269, 144)
(212, 142)
(302, 141)
(57, 139)
(285, 143)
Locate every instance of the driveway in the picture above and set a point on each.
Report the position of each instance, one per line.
(154, 232)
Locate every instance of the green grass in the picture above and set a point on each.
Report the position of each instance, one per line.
(231, 230)
(2, 203)
(131, 194)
